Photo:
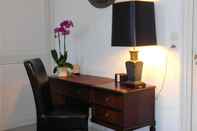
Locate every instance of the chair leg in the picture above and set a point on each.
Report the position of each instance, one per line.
(43, 126)
(40, 126)
(85, 129)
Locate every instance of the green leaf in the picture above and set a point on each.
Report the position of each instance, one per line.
(55, 69)
(69, 65)
(54, 55)
(61, 61)
(65, 55)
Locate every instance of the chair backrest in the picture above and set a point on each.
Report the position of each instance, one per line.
(40, 85)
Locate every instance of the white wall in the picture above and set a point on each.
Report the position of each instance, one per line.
(90, 46)
(22, 36)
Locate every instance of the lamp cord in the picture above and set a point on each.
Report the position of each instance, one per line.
(164, 78)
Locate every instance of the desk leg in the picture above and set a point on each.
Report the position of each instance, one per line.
(152, 128)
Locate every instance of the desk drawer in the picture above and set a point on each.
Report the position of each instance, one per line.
(108, 99)
(78, 92)
(81, 93)
(107, 115)
(59, 87)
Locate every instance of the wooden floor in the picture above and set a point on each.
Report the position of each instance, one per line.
(25, 128)
(33, 128)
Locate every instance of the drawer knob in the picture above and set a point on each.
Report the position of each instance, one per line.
(107, 99)
(106, 115)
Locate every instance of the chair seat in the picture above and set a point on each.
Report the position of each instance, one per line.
(65, 118)
(65, 113)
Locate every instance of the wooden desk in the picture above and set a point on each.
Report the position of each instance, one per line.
(114, 106)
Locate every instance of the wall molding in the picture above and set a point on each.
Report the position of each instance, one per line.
(19, 58)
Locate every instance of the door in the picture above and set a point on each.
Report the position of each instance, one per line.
(194, 82)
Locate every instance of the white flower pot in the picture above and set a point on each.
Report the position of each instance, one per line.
(62, 72)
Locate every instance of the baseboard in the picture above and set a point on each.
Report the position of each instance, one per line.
(21, 124)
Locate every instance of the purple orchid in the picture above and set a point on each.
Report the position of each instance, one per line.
(63, 30)
(67, 24)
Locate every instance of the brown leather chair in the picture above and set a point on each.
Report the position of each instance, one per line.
(51, 118)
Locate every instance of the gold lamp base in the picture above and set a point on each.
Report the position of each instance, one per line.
(134, 70)
(133, 55)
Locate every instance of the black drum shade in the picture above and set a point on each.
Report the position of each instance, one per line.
(133, 24)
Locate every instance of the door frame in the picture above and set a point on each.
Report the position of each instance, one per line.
(187, 65)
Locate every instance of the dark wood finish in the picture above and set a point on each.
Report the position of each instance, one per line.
(115, 106)
(107, 115)
(108, 99)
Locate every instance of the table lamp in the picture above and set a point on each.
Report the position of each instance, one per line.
(133, 25)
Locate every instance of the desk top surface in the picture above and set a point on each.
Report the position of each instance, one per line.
(101, 83)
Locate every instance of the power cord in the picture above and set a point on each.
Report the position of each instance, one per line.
(164, 78)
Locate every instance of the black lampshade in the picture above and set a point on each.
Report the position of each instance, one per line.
(133, 24)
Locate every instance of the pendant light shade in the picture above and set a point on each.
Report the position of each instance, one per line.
(133, 24)
(101, 3)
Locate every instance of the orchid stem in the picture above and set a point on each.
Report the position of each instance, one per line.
(59, 43)
(64, 43)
